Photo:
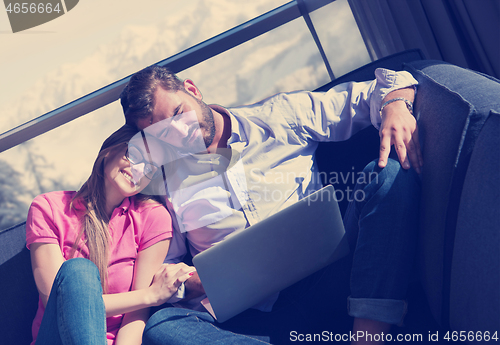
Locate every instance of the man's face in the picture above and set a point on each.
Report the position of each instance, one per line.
(186, 122)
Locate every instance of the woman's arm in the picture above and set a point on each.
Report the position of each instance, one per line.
(165, 282)
(46, 259)
(147, 263)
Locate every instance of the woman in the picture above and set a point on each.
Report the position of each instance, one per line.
(95, 252)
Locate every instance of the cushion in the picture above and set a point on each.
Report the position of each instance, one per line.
(475, 274)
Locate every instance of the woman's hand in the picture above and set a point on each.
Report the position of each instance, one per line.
(167, 280)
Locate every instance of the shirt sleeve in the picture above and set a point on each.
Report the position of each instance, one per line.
(40, 226)
(177, 249)
(157, 226)
(386, 82)
(344, 109)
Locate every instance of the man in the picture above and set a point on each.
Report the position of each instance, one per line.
(235, 168)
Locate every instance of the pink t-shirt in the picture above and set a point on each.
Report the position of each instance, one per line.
(133, 227)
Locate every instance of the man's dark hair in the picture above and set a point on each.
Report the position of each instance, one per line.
(137, 99)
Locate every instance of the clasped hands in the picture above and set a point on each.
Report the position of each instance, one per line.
(167, 280)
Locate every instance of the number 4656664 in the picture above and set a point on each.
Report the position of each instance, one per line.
(470, 336)
(32, 8)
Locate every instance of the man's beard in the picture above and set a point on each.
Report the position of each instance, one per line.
(208, 123)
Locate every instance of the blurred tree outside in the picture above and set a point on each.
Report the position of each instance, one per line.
(17, 191)
(13, 208)
(37, 168)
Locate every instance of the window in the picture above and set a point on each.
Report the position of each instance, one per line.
(340, 37)
(36, 81)
(284, 59)
(99, 42)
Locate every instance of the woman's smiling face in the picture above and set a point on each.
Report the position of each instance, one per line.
(118, 176)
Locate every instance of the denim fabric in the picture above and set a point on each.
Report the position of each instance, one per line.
(75, 312)
(385, 218)
(176, 326)
(386, 310)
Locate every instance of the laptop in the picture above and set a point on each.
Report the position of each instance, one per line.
(254, 264)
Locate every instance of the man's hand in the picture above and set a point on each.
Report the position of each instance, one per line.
(399, 128)
(193, 287)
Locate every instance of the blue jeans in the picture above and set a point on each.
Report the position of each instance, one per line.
(176, 326)
(381, 223)
(75, 312)
(385, 219)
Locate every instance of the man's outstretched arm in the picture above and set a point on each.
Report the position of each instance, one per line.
(399, 128)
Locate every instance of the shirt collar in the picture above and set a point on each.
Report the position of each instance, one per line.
(125, 205)
(236, 134)
(123, 208)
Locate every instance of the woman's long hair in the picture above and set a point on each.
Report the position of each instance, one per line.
(90, 200)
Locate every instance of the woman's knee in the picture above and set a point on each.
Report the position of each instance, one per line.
(80, 272)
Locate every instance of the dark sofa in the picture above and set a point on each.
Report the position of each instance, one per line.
(458, 113)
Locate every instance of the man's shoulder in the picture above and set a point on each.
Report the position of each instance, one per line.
(287, 97)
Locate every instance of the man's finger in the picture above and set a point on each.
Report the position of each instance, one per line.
(401, 151)
(385, 149)
(413, 156)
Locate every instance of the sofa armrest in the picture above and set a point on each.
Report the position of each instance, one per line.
(475, 271)
(19, 300)
(452, 105)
